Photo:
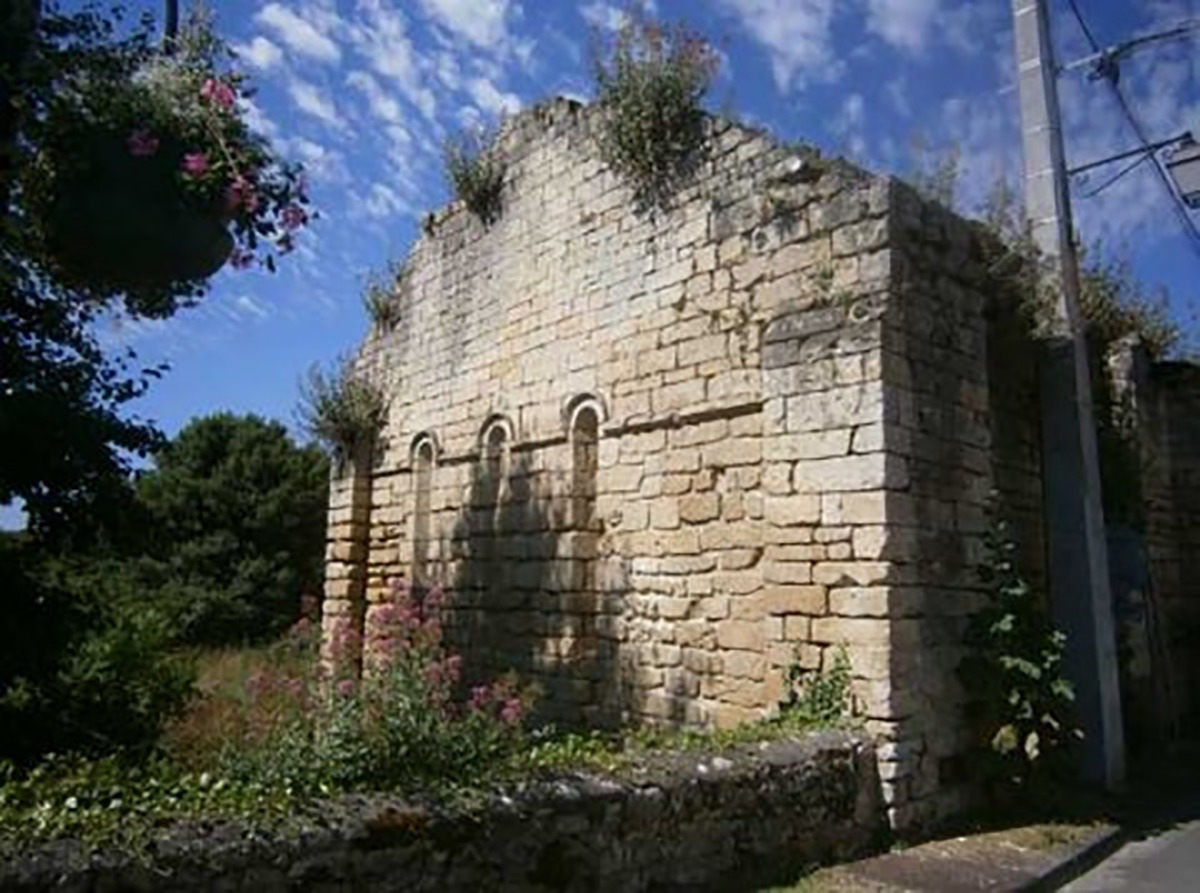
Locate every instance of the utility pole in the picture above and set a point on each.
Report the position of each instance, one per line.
(1077, 552)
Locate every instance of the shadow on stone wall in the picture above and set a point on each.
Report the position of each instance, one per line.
(527, 596)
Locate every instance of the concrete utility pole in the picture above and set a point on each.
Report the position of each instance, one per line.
(1077, 548)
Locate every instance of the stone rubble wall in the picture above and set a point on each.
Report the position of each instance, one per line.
(682, 821)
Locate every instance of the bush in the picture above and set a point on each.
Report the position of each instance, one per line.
(1021, 705)
(79, 671)
(343, 410)
(475, 171)
(649, 86)
(405, 722)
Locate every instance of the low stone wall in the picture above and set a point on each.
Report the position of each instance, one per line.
(685, 821)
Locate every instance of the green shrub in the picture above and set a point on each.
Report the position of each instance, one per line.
(649, 86)
(475, 170)
(80, 670)
(1021, 705)
(343, 410)
(819, 697)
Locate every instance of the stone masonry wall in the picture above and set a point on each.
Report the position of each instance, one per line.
(657, 457)
(679, 822)
(1172, 504)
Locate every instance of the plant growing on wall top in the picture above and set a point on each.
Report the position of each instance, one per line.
(475, 170)
(379, 296)
(650, 81)
(343, 410)
(140, 176)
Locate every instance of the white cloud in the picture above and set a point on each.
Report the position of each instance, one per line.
(383, 201)
(298, 33)
(382, 105)
(259, 53)
(609, 16)
(320, 162)
(491, 100)
(247, 307)
(482, 22)
(848, 123)
(310, 100)
(902, 23)
(796, 35)
(256, 119)
(380, 36)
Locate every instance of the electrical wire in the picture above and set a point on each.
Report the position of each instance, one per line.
(1129, 168)
(1181, 212)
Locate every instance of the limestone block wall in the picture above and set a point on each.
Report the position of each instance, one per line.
(657, 457)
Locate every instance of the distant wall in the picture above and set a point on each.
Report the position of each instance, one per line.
(685, 821)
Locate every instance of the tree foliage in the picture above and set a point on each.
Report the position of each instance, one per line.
(236, 528)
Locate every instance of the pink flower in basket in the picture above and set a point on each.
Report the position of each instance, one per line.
(218, 93)
(195, 164)
(142, 144)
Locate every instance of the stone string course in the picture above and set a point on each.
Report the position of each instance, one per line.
(684, 821)
(803, 411)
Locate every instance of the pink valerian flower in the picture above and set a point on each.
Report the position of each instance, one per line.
(293, 217)
(241, 194)
(142, 144)
(195, 164)
(218, 93)
(346, 687)
(480, 696)
(510, 712)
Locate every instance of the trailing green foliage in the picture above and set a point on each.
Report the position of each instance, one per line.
(819, 697)
(649, 84)
(475, 170)
(343, 410)
(1021, 705)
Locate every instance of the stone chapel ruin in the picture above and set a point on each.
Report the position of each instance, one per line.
(656, 457)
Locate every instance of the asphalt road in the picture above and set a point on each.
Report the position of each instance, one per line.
(1165, 863)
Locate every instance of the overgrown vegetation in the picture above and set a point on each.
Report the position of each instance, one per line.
(379, 297)
(819, 697)
(475, 170)
(1021, 703)
(650, 81)
(263, 747)
(343, 410)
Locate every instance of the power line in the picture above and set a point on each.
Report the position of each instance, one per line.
(1181, 212)
(1129, 168)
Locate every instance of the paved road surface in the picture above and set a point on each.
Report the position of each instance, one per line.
(1166, 863)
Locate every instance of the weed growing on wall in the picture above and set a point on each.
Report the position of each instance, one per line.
(475, 171)
(816, 696)
(649, 83)
(379, 297)
(343, 410)
(1021, 704)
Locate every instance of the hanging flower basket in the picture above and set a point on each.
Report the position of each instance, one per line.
(148, 183)
(116, 220)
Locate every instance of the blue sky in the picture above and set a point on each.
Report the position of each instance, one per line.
(364, 91)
